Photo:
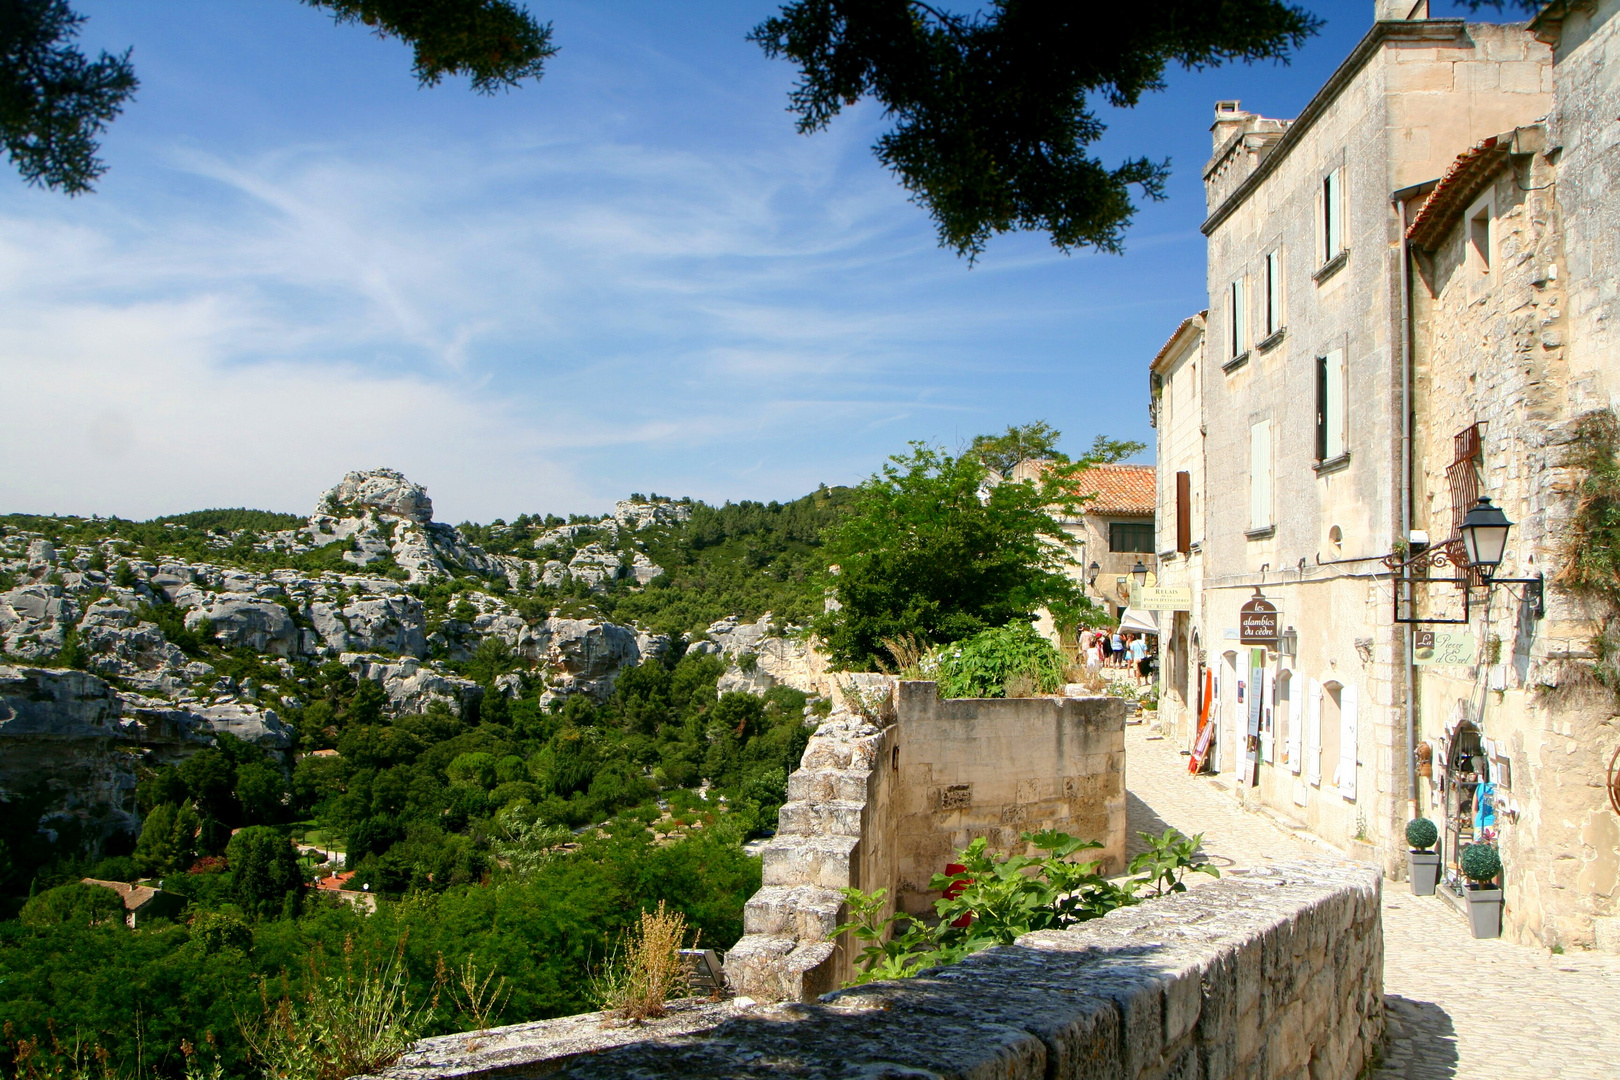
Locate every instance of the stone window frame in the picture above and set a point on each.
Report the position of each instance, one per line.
(1485, 262)
(1276, 297)
(1331, 226)
(1237, 315)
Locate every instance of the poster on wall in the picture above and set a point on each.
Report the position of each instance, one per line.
(1454, 647)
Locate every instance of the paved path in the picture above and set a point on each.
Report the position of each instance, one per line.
(1458, 1007)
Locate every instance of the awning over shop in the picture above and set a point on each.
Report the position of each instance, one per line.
(1139, 622)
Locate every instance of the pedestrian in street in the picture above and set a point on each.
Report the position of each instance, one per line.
(1139, 657)
(1116, 649)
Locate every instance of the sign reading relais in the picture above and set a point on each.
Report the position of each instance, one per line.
(1161, 597)
(1257, 622)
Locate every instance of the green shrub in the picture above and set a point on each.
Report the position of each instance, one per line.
(74, 905)
(1421, 834)
(1480, 863)
(983, 665)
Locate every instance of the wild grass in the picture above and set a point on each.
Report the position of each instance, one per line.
(644, 969)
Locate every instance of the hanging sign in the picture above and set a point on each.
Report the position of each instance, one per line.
(1443, 647)
(1161, 597)
(1257, 622)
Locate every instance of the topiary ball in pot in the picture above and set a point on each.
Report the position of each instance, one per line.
(1480, 863)
(1421, 834)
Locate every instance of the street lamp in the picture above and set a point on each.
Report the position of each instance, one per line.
(1484, 533)
(1091, 573)
(1139, 574)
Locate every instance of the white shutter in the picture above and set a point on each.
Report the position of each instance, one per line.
(1260, 475)
(1296, 719)
(1240, 319)
(1333, 414)
(1333, 212)
(1313, 733)
(1268, 717)
(1347, 741)
(1274, 311)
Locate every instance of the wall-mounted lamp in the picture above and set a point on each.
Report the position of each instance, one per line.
(1139, 574)
(1288, 643)
(1091, 573)
(1482, 537)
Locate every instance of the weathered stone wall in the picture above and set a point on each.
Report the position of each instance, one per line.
(1395, 114)
(1278, 973)
(882, 803)
(999, 767)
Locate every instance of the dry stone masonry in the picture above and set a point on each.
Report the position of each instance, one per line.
(1274, 973)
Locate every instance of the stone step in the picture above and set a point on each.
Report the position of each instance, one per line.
(834, 817)
(821, 785)
(809, 860)
(805, 912)
(769, 967)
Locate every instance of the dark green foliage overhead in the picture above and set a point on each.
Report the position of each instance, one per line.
(55, 101)
(496, 43)
(993, 111)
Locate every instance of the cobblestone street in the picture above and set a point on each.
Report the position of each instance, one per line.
(1458, 1007)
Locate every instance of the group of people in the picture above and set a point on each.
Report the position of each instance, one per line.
(1110, 648)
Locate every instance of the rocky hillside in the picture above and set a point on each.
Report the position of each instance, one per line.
(129, 645)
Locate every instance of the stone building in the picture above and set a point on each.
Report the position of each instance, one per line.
(1302, 406)
(1503, 381)
(1411, 305)
(1113, 532)
(1179, 450)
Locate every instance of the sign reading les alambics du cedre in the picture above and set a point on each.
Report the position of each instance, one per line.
(1257, 622)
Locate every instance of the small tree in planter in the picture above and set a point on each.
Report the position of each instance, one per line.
(1480, 864)
(1422, 862)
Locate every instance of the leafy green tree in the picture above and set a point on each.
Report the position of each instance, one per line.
(993, 111)
(264, 870)
(261, 792)
(933, 551)
(982, 665)
(74, 905)
(168, 840)
(55, 102)
(1018, 444)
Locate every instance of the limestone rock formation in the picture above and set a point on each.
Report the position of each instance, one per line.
(410, 687)
(34, 618)
(384, 491)
(242, 620)
(641, 515)
(583, 655)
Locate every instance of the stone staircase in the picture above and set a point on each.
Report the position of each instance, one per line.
(789, 951)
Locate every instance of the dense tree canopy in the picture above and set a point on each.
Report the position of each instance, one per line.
(993, 111)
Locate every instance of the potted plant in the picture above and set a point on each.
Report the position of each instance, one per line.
(1480, 864)
(1422, 862)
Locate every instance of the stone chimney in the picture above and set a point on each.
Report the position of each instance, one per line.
(1229, 119)
(1400, 10)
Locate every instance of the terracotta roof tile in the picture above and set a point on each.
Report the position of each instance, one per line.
(1119, 489)
(1472, 169)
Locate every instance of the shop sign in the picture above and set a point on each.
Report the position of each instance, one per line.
(1444, 647)
(1161, 597)
(1257, 622)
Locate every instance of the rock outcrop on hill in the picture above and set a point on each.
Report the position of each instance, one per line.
(145, 694)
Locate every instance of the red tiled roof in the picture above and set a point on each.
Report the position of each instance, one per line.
(1463, 180)
(1119, 489)
(336, 882)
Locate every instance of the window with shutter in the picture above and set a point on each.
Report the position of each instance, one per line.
(1274, 294)
(1346, 779)
(1321, 408)
(1183, 512)
(1333, 413)
(1240, 319)
(1333, 214)
(1313, 734)
(1291, 706)
(1260, 475)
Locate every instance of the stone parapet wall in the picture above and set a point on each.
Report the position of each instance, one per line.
(1275, 973)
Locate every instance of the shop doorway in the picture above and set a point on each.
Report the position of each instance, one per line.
(1230, 726)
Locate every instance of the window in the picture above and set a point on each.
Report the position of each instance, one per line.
(1479, 238)
(1183, 512)
(1130, 536)
(1330, 415)
(1260, 475)
(1239, 312)
(1332, 214)
(1274, 293)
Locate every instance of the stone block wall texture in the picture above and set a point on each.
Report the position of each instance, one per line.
(880, 804)
(999, 767)
(1277, 973)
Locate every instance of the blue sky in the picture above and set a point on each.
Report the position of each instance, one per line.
(633, 276)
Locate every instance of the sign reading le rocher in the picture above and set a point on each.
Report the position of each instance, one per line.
(1257, 622)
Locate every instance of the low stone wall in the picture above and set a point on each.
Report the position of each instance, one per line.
(1274, 973)
(884, 803)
